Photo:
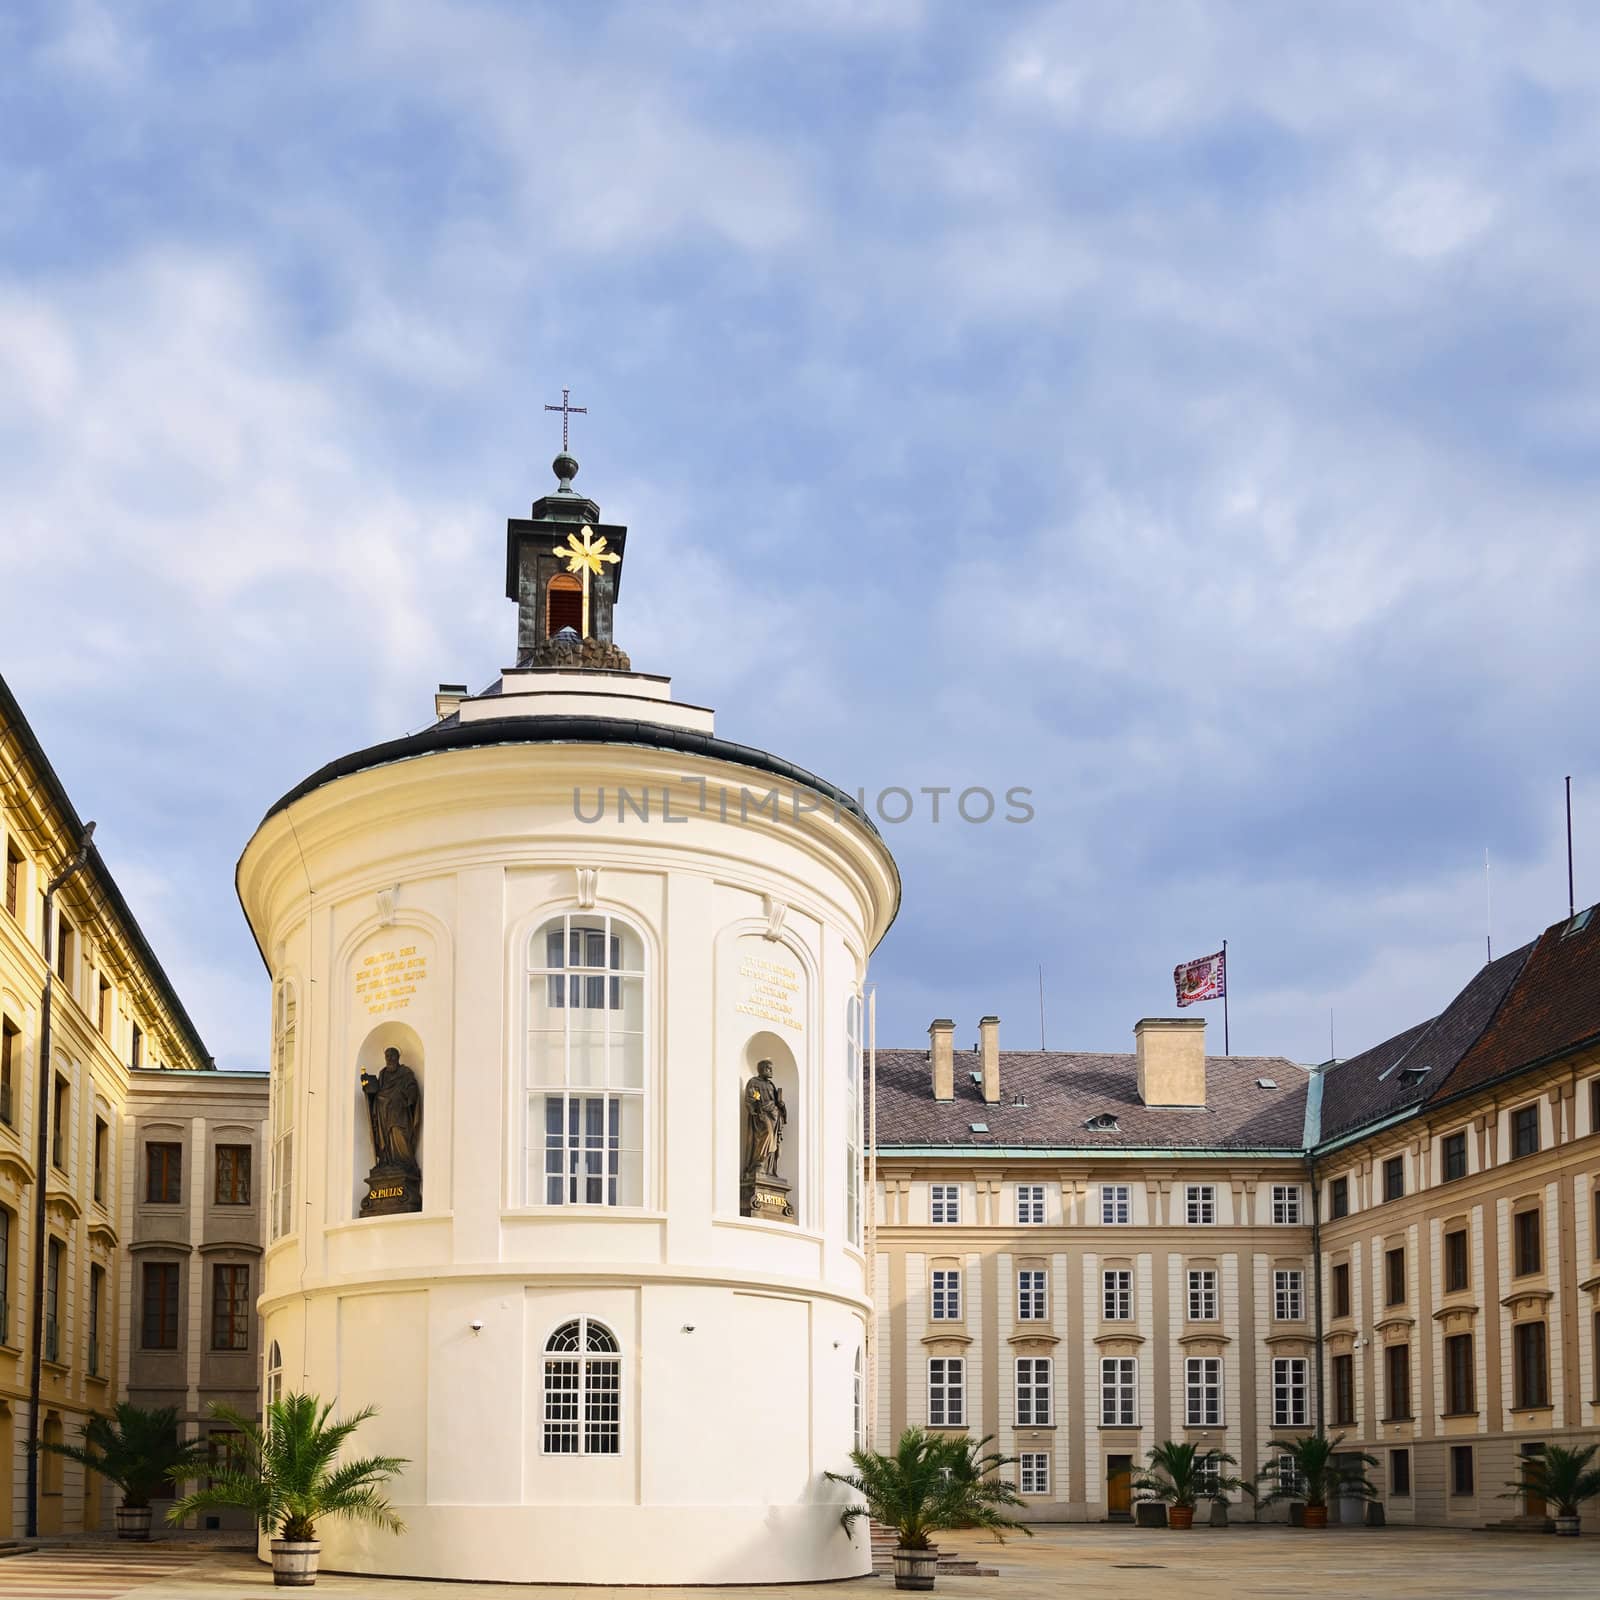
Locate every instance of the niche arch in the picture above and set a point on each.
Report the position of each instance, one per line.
(387, 1035)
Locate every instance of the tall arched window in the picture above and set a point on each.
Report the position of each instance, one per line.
(582, 1390)
(852, 1192)
(280, 1189)
(563, 605)
(274, 1373)
(585, 1071)
(858, 1392)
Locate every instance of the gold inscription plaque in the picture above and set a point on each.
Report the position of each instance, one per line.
(388, 980)
(771, 990)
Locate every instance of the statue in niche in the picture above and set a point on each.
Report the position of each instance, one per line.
(763, 1190)
(394, 1113)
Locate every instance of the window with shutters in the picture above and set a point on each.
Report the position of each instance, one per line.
(585, 1064)
(582, 1390)
(563, 605)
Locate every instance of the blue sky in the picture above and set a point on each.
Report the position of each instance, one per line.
(1186, 411)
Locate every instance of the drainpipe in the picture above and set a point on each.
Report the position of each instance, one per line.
(41, 1180)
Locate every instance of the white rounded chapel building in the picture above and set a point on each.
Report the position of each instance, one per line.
(603, 1279)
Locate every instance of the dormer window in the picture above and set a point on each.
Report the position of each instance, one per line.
(563, 605)
(1104, 1122)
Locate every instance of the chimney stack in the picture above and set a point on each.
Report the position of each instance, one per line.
(941, 1049)
(1171, 1053)
(989, 1047)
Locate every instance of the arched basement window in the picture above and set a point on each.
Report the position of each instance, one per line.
(563, 605)
(582, 1390)
(585, 1070)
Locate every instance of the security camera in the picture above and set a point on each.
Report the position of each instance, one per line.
(477, 1325)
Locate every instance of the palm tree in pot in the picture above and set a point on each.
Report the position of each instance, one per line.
(141, 1453)
(1316, 1474)
(931, 1482)
(1562, 1478)
(287, 1475)
(1181, 1474)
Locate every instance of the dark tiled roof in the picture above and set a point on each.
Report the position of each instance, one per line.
(1413, 1066)
(1063, 1090)
(1554, 1007)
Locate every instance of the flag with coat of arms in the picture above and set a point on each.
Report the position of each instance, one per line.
(1205, 979)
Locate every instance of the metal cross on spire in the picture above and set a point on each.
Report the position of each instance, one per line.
(567, 410)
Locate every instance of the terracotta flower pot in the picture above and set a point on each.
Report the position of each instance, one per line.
(133, 1522)
(1316, 1517)
(914, 1569)
(1180, 1516)
(294, 1563)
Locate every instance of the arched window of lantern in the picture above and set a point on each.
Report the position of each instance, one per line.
(582, 1390)
(563, 605)
(584, 1069)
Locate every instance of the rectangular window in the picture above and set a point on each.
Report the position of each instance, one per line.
(593, 1149)
(1286, 1204)
(1289, 1408)
(13, 880)
(946, 1298)
(1032, 1294)
(66, 949)
(9, 1048)
(233, 1175)
(1033, 1472)
(854, 1061)
(1456, 1273)
(5, 1276)
(1200, 1204)
(1526, 1234)
(1397, 1382)
(1341, 1289)
(1030, 1203)
(1394, 1178)
(163, 1174)
(1288, 1295)
(1455, 1156)
(159, 1306)
(1202, 1294)
(947, 1392)
(1202, 1376)
(280, 1173)
(1339, 1198)
(1525, 1131)
(103, 1008)
(1291, 1484)
(1594, 1122)
(1459, 1387)
(1343, 1398)
(97, 1294)
(136, 1047)
(1394, 1276)
(54, 1269)
(1400, 1473)
(102, 1145)
(1119, 1391)
(230, 1308)
(1118, 1294)
(1033, 1392)
(944, 1200)
(1461, 1473)
(1116, 1204)
(60, 1124)
(1530, 1364)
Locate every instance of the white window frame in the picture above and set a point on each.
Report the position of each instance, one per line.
(1030, 1204)
(1116, 1294)
(1034, 1378)
(1033, 1472)
(1116, 1205)
(1290, 1483)
(1288, 1294)
(1200, 1204)
(567, 1411)
(944, 1203)
(1202, 1391)
(1033, 1294)
(1290, 1397)
(273, 1388)
(1119, 1391)
(854, 1059)
(585, 1166)
(1203, 1297)
(1287, 1205)
(858, 1399)
(944, 1295)
(281, 1218)
(947, 1391)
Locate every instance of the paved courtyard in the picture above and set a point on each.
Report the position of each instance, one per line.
(1102, 1563)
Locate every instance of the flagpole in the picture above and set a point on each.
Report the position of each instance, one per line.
(1226, 1042)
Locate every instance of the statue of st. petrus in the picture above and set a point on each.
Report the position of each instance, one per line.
(394, 1105)
(766, 1116)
